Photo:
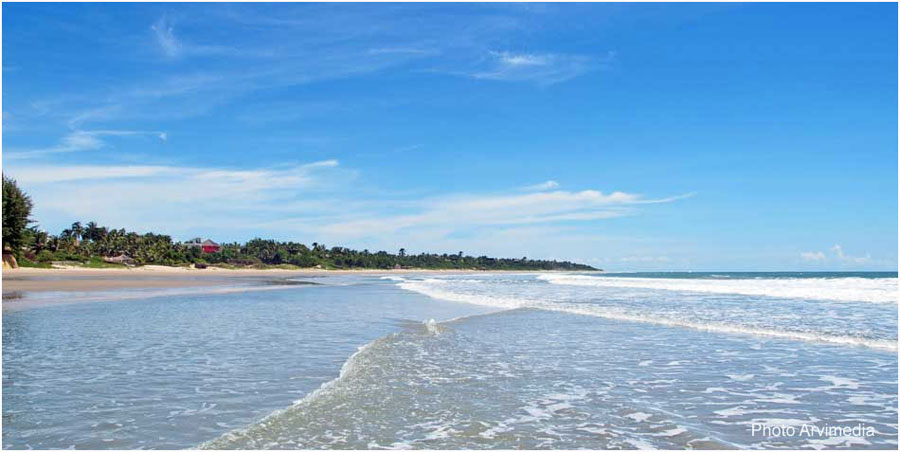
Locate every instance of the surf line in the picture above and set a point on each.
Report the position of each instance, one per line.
(514, 303)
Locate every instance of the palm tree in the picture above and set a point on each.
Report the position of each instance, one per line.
(53, 243)
(92, 232)
(77, 231)
(41, 239)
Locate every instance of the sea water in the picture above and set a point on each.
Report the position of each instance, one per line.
(552, 360)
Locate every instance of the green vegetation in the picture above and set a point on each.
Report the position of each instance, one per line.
(25, 262)
(90, 243)
(271, 252)
(16, 212)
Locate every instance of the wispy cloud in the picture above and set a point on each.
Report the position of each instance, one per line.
(836, 255)
(243, 180)
(82, 140)
(525, 60)
(839, 253)
(171, 198)
(541, 68)
(813, 256)
(303, 45)
(493, 210)
(163, 31)
(78, 119)
(547, 185)
(173, 47)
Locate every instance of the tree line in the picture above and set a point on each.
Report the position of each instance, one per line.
(91, 243)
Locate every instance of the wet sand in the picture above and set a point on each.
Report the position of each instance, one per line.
(152, 276)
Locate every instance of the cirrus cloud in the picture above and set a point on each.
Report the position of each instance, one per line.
(495, 210)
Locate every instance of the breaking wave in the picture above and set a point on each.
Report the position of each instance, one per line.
(873, 290)
(442, 289)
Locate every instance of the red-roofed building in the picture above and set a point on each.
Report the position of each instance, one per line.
(208, 246)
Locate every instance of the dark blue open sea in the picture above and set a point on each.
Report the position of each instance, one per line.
(469, 360)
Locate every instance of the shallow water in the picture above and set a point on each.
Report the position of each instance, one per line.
(537, 379)
(528, 361)
(174, 371)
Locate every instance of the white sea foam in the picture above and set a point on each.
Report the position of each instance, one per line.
(841, 441)
(432, 327)
(639, 416)
(740, 377)
(838, 382)
(346, 369)
(873, 290)
(671, 432)
(442, 289)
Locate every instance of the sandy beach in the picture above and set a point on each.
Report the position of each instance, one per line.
(154, 276)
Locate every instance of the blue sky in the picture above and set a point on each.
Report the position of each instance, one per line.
(629, 137)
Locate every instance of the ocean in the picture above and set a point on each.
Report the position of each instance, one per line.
(469, 360)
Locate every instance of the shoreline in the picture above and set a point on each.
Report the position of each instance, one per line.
(79, 279)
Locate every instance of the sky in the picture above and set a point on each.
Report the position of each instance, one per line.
(731, 137)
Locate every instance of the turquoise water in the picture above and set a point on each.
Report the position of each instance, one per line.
(509, 361)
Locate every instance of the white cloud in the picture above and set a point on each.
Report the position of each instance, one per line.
(547, 185)
(36, 175)
(77, 141)
(543, 68)
(322, 164)
(172, 47)
(240, 180)
(524, 60)
(172, 198)
(83, 140)
(105, 112)
(492, 210)
(813, 256)
(165, 37)
(839, 253)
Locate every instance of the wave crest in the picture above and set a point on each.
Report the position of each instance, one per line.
(441, 289)
(873, 290)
